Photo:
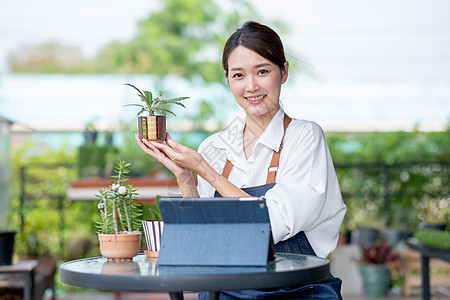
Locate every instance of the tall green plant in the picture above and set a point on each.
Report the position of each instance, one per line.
(119, 212)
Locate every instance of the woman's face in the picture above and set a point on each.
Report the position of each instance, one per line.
(255, 82)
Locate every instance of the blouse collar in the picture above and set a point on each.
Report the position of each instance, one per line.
(231, 139)
(273, 134)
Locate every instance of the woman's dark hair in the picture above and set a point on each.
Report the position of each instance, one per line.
(258, 38)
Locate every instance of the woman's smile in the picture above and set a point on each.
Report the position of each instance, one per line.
(255, 99)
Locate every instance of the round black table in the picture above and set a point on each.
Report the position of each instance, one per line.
(143, 274)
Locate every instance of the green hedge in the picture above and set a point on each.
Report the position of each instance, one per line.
(434, 238)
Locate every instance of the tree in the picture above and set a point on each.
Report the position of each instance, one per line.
(46, 58)
(184, 38)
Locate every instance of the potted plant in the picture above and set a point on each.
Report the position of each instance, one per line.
(90, 133)
(373, 268)
(119, 225)
(153, 127)
(433, 213)
(153, 229)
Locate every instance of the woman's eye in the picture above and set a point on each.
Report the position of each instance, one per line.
(237, 75)
(262, 72)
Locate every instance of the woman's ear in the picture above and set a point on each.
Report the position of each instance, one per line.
(284, 72)
(226, 76)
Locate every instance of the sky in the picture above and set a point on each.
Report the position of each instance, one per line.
(359, 53)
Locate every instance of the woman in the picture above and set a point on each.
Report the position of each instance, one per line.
(266, 154)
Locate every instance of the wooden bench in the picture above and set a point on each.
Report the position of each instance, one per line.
(12, 285)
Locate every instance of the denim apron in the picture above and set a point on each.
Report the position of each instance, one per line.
(326, 290)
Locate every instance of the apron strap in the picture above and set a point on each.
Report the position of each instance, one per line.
(273, 167)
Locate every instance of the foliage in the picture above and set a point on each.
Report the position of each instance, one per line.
(40, 199)
(184, 37)
(433, 211)
(384, 176)
(118, 210)
(155, 104)
(46, 58)
(434, 238)
(93, 160)
(154, 210)
(377, 254)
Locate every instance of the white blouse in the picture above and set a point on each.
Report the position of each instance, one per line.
(306, 196)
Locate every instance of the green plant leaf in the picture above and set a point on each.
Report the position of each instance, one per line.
(149, 95)
(129, 84)
(164, 111)
(140, 105)
(177, 99)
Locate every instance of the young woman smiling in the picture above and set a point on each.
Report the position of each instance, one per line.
(266, 154)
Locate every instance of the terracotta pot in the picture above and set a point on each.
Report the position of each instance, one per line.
(152, 128)
(120, 246)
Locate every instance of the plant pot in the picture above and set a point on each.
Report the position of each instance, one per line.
(152, 128)
(366, 236)
(391, 236)
(376, 279)
(90, 137)
(6, 247)
(120, 246)
(153, 232)
(432, 226)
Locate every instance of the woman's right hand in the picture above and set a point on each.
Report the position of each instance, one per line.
(160, 156)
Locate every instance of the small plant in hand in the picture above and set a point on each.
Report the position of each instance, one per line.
(153, 127)
(119, 212)
(156, 104)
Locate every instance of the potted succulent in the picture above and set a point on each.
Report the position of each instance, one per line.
(373, 268)
(153, 127)
(119, 225)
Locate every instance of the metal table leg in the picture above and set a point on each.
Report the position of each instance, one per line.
(176, 295)
(425, 277)
(213, 295)
(28, 288)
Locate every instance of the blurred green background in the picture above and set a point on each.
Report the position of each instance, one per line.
(387, 130)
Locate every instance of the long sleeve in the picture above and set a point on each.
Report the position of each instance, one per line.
(307, 195)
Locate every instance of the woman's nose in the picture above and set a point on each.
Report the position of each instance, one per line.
(252, 84)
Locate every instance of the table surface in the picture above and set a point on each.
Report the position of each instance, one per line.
(143, 274)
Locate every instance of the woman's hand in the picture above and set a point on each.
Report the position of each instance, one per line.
(153, 151)
(180, 155)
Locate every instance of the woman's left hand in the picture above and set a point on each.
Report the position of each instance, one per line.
(181, 155)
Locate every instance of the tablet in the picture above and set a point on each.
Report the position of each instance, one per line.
(215, 232)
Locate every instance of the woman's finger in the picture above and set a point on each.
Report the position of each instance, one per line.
(169, 151)
(174, 144)
(147, 147)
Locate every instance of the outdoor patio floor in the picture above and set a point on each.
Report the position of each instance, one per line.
(191, 296)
